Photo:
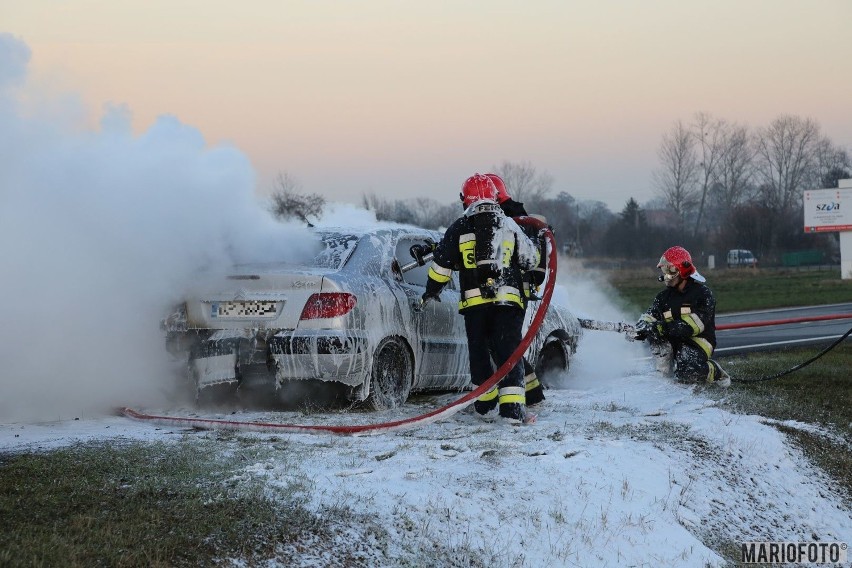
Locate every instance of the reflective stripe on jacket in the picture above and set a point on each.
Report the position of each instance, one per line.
(688, 316)
(515, 253)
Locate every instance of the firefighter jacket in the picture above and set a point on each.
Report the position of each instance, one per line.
(686, 317)
(490, 253)
(535, 277)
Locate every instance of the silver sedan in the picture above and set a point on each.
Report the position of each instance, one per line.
(344, 318)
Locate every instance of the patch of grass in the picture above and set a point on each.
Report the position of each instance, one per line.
(833, 458)
(820, 394)
(742, 289)
(738, 290)
(134, 504)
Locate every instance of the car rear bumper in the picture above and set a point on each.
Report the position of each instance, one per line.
(340, 357)
(221, 356)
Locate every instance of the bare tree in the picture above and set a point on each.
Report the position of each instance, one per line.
(676, 178)
(832, 164)
(785, 160)
(791, 155)
(430, 214)
(709, 135)
(595, 220)
(289, 202)
(523, 182)
(381, 208)
(734, 171)
(563, 215)
(421, 212)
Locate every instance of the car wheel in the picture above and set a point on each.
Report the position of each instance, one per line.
(392, 375)
(551, 361)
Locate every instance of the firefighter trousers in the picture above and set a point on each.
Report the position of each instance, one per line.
(494, 332)
(691, 364)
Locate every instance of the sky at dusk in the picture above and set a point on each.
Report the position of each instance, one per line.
(407, 99)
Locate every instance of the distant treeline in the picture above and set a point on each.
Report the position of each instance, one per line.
(718, 186)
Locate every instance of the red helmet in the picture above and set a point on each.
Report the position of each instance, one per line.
(502, 194)
(476, 188)
(677, 259)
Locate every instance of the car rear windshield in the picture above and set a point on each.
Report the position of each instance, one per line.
(336, 249)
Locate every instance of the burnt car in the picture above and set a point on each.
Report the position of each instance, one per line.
(345, 318)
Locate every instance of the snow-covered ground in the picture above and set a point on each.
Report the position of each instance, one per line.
(618, 470)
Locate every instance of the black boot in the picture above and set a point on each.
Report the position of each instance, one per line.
(486, 403)
(534, 389)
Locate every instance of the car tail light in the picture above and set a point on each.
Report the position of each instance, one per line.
(328, 305)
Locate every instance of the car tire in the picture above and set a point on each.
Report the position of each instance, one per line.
(392, 375)
(552, 360)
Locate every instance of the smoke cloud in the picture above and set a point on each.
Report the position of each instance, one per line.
(100, 233)
(601, 356)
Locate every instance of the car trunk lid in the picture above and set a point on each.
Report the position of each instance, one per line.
(271, 299)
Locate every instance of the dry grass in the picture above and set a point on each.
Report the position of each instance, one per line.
(740, 289)
(137, 504)
(819, 394)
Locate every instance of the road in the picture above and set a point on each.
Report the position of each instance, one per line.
(772, 337)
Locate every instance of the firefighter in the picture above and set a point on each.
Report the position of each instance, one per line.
(532, 279)
(490, 252)
(680, 324)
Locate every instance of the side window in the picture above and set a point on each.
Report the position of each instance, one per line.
(416, 275)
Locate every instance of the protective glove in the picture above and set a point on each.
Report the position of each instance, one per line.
(417, 252)
(646, 327)
(424, 299)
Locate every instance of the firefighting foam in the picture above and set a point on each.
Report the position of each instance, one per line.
(101, 230)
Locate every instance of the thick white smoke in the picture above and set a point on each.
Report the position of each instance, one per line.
(601, 355)
(100, 232)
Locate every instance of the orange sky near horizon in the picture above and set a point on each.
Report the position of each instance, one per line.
(408, 99)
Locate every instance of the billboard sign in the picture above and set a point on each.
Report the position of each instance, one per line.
(828, 210)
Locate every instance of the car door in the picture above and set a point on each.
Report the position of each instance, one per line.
(440, 338)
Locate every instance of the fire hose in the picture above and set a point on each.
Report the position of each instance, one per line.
(628, 329)
(404, 424)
